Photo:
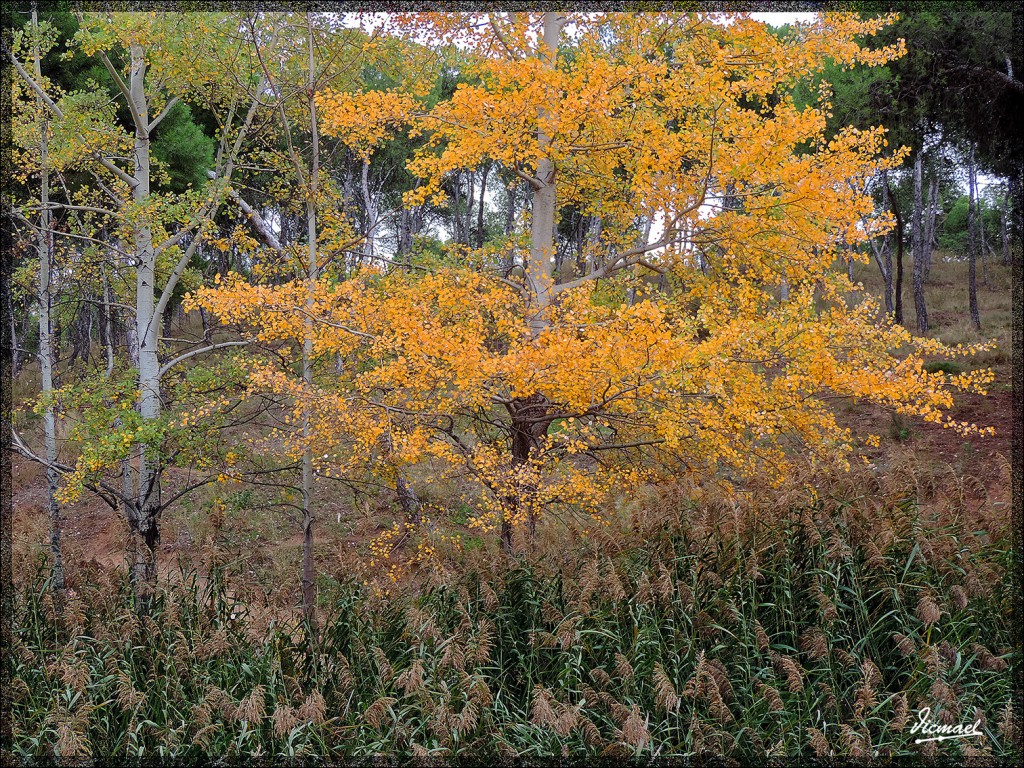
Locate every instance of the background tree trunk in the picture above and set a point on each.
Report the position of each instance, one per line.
(972, 238)
(917, 226)
(480, 234)
(107, 325)
(898, 288)
(981, 234)
(1004, 227)
(15, 344)
(929, 228)
(44, 249)
(467, 224)
(884, 258)
(370, 209)
(313, 274)
(510, 211)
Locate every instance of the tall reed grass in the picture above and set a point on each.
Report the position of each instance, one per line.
(785, 627)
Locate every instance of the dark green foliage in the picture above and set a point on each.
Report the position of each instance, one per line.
(945, 366)
(183, 148)
(953, 236)
(862, 97)
(955, 75)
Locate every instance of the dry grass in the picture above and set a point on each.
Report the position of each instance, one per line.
(774, 624)
(948, 308)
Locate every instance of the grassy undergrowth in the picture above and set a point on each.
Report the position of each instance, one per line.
(810, 629)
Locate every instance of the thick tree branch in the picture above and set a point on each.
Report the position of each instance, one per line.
(122, 86)
(115, 496)
(163, 113)
(257, 221)
(187, 355)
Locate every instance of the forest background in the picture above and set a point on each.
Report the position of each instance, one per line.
(524, 384)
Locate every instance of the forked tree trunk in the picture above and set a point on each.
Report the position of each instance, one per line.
(528, 414)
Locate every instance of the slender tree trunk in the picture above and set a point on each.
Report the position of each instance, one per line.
(46, 351)
(467, 226)
(1004, 222)
(591, 240)
(918, 244)
(404, 232)
(880, 252)
(884, 255)
(481, 208)
(972, 238)
(370, 207)
(981, 236)
(510, 211)
(15, 344)
(890, 306)
(313, 275)
(147, 522)
(898, 289)
(455, 209)
(527, 412)
(507, 257)
(929, 230)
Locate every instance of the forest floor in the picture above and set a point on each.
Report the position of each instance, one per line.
(265, 545)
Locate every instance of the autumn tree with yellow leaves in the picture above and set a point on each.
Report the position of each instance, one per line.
(703, 331)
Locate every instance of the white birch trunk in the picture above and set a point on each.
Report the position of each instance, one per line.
(540, 263)
(146, 524)
(44, 250)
